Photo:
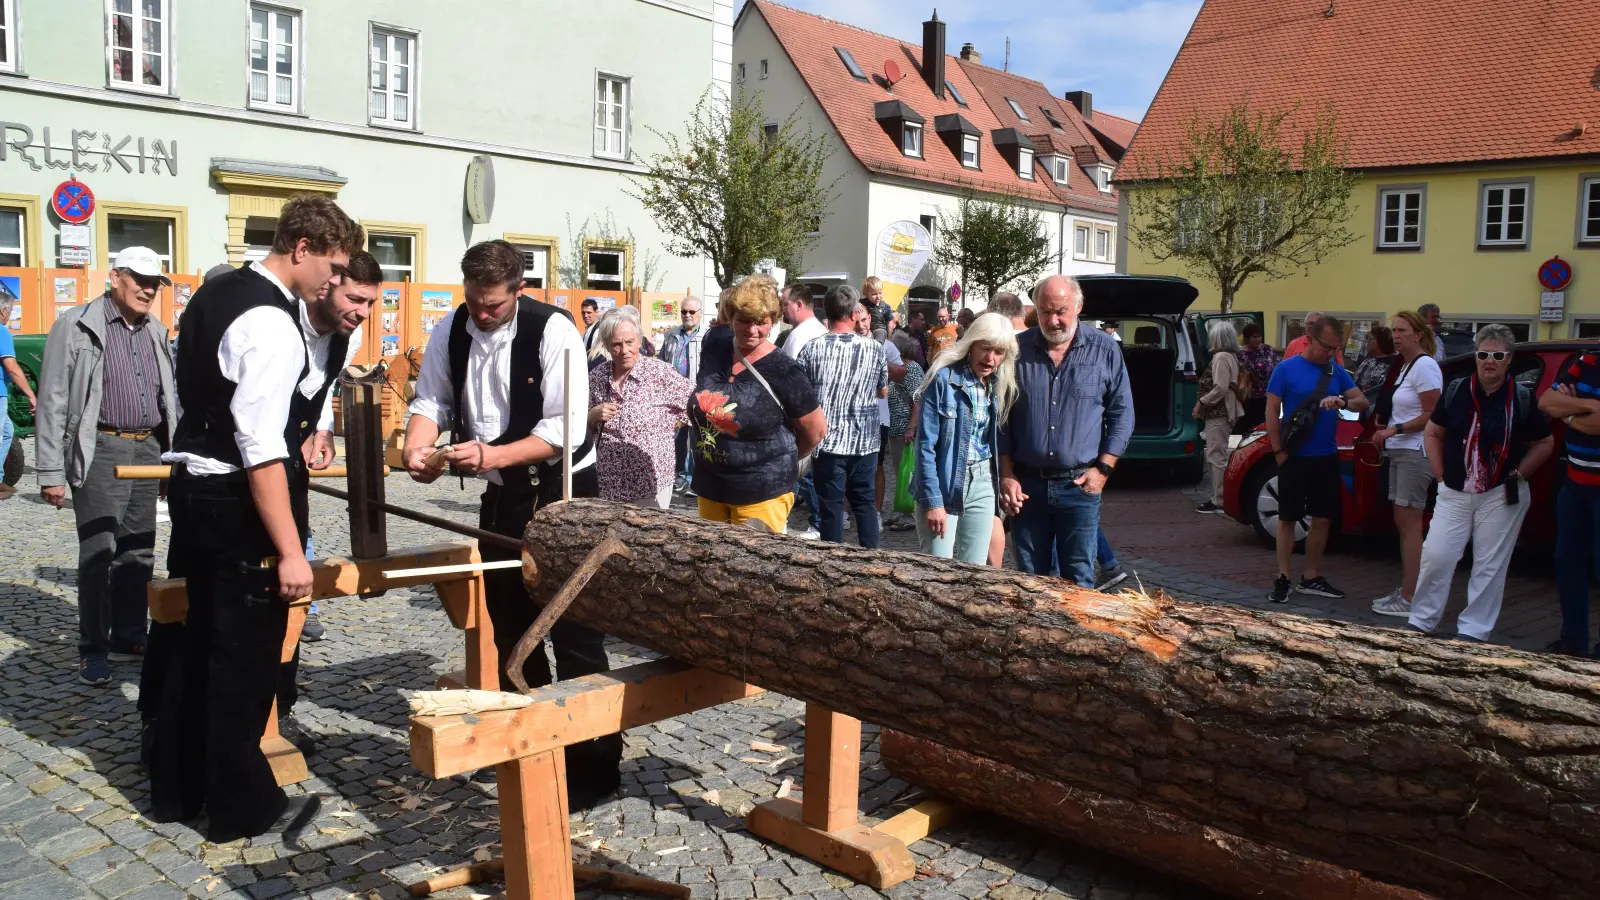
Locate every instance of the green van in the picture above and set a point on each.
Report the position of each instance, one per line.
(1164, 346)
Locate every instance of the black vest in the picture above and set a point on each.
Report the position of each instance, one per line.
(207, 427)
(526, 389)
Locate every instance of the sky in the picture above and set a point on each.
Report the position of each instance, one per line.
(1117, 49)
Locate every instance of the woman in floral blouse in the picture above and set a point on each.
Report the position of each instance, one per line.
(1258, 359)
(636, 404)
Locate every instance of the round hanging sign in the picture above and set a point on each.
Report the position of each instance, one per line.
(73, 201)
(1555, 274)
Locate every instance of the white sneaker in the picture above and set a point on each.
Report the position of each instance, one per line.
(809, 534)
(1392, 604)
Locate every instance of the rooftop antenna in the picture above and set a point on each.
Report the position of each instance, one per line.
(1006, 66)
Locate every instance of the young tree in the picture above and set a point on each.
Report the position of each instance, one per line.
(732, 190)
(991, 242)
(1236, 203)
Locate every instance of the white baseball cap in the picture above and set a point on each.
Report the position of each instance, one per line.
(142, 261)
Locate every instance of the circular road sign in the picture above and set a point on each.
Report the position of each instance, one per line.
(73, 201)
(1555, 274)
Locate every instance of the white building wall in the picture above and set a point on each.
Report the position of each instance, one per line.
(1087, 263)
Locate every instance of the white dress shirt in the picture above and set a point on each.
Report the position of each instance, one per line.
(263, 353)
(487, 407)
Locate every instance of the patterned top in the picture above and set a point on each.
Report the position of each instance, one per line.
(1583, 450)
(130, 399)
(848, 371)
(978, 394)
(636, 451)
(1259, 363)
(744, 448)
(901, 400)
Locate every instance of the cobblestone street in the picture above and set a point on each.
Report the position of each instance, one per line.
(72, 792)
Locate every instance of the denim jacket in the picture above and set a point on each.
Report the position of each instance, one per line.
(944, 434)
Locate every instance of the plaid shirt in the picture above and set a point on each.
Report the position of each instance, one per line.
(131, 395)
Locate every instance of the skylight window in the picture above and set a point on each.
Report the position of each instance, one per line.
(960, 100)
(850, 64)
(1049, 116)
(1017, 108)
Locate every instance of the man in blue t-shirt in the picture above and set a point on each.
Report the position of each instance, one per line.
(1308, 471)
(9, 371)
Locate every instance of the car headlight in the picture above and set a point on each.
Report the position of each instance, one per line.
(1251, 438)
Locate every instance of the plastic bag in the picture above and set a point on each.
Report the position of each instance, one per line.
(903, 502)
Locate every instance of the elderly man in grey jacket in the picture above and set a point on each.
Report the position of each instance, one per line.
(106, 399)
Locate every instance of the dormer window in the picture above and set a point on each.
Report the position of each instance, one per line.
(969, 150)
(1017, 108)
(902, 124)
(1017, 150)
(962, 137)
(1058, 166)
(1025, 163)
(1102, 179)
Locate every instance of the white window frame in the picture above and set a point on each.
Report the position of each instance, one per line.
(21, 248)
(1588, 226)
(741, 73)
(1082, 238)
(1025, 163)
(1060, 169)
(172, 237)
(1381, 228)
(1017, 108)
(1506, 188)
(137, 15)
(911, 140)
(589, 275)
(409, 268)
(1102, 179)
(977, 151)
(394, 35)
(9, 42)
(541, 270)
(297, 54)
(763, 68)
(1109, 234)
(603, 106)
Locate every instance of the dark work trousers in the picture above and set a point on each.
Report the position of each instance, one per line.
(219, 671)
(1577, 550)
(592, 766)
(116, 545)
(847, 479)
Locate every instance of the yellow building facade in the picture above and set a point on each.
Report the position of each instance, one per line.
(1469, 238)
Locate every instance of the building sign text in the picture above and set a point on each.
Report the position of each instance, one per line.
(88, 151)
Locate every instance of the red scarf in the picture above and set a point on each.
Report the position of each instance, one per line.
(1483, 471)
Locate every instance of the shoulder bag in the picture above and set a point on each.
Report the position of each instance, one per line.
(803, 467)
(1302, 420)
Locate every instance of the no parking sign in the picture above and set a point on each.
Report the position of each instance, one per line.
(73, 201)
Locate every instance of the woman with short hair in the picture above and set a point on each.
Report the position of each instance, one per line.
(1401, 414)
(1256, 359)
(965, 398)
(1219, 406)
(754, 413)
(1485, 437)
(1372, 375)
(636, 404)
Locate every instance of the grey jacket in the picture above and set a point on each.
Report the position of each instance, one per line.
(70, 385)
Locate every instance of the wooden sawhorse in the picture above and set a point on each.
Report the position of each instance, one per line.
(460, 593)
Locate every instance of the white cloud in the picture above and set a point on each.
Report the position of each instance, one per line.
(1118, 50)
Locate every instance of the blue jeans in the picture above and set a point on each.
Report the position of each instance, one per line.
(1063, 536)
(841, 478)
(1577, 547)
(1102, 550)
(7, 430)
(806, 491)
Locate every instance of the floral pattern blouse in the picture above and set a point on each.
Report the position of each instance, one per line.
(1259, 363)
(637, 458)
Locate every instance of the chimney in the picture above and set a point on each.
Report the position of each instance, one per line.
(1083, 100)
(933, 54)
(971, 55)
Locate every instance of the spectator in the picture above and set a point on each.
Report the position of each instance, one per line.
(1072, 421)
(861, 321)
(919, 332)
(1030, 316)
(1484, 439)
(878, 312)
(1302, 402)
(1257, 359)
(107, 399)
(1219, 406)
(635, 406)
(1298, 345)
(1575, 398)
(804, 327)
(1430, 317)
(1009, 305)
(10, 371)
(755, 415)
(941, 337)
(681, 348)
(968, 396)
(1111, 329)
(964, 321)
(591, 314)
(1372, 373)
(849, 373)
(897, 375)
(1402, 413)
(902, 399)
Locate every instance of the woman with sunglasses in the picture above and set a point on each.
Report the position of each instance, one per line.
(1402, 412)
(1485, 437)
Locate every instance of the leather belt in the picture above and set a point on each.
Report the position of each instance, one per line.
(1050, 474)
(124, 433)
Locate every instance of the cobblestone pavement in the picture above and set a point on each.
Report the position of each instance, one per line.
(72, 793)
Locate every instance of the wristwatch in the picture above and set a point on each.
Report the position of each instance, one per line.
(1103, 467)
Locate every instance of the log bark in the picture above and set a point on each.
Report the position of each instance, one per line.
(1462, 770)
(1206, 856)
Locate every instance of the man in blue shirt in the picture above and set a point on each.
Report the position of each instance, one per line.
(1308, 466)
(1072, 419)
(9, 370)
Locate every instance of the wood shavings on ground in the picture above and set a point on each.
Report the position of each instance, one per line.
(711, 797)
(765, 747)
(785, 788)
(671, 850)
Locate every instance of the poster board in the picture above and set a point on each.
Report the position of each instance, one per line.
(429, 304)
(61, 289)
(174, 300)
(21, 286)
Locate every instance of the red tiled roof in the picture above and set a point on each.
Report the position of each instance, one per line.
(997, 86)
(1415, 83)
(809, 41)
(1113, 130)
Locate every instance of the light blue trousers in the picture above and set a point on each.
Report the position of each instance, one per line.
(966, 534)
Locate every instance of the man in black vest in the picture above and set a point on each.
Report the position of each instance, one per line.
(253, 374)
(497, 382)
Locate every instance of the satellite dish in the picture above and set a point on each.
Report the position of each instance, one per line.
(891, 71)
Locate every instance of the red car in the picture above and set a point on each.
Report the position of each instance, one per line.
(1250, 489)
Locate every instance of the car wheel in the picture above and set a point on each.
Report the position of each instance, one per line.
(1259, 499)
(13, 463)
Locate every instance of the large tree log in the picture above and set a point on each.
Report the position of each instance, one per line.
(1218, 860)
(1462, 770)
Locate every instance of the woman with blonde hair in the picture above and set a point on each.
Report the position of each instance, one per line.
(965, 397)
(1401, 414)
(1219, 406)
(754, 415)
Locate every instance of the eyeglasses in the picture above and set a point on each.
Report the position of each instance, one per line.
(691, 312)
(1331, 348)
(1496, 355)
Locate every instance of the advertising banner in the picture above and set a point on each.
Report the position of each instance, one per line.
(902, 250)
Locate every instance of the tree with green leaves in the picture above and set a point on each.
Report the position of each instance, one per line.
(991, 241)
(1236, 203)
(737, 191)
